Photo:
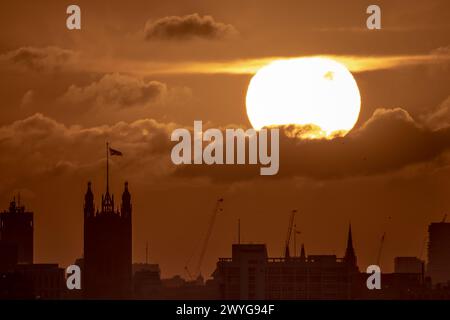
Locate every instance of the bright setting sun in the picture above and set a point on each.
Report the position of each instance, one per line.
(316, 92)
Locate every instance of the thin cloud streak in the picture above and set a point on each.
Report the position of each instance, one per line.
(36, 58)
(355, 64)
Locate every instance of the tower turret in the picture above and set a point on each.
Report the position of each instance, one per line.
(89, 202)
(126, 202)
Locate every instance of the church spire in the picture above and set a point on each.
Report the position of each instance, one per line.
(350, 256)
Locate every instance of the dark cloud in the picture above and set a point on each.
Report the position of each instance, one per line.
(116, 90)
(41, 58)
(390, 140)
(56, 149)
(187, 27)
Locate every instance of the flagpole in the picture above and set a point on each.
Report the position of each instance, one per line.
(107, 167)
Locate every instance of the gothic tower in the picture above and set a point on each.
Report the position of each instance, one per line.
(107, 247)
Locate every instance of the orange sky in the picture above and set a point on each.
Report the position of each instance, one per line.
(130, 77)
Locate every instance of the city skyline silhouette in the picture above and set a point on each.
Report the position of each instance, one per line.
(359, 101)
(108, 272)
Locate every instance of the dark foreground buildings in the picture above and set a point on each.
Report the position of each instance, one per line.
(20, 278)
(251, 274)
(107, 272)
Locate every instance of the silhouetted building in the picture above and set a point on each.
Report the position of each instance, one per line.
(107, 247)
(146, 281)
(8, 256)
(243, 276)
(250, 274)
(32, 281)
(15, 286)
(409, 265)
(16, 228)
(439, 252)
(47, 280)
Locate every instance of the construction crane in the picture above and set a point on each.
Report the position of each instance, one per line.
(380, 249)
(289, 233)
(383, 237)
(217, 208)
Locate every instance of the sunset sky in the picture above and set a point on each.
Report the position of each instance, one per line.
(139, 69)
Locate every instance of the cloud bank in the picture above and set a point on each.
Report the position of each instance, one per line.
(390, 140)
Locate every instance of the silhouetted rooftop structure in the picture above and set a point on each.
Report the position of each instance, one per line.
(17, 228)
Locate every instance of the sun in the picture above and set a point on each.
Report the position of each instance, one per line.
(318, 94)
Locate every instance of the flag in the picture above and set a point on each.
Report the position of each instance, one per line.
(114, 152)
